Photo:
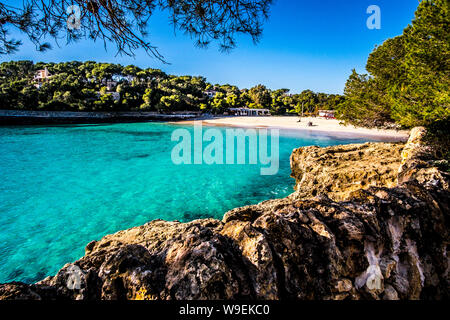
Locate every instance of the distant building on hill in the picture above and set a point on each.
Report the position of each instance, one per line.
(114, 95)
(111, 85)
(40, 77)
(210, 93)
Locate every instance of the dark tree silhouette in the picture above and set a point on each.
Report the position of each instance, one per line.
(124, 22)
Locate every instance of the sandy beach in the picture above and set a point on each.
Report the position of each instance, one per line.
(320, 125)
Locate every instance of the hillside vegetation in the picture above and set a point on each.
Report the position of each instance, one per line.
(93, 86)
(409, 75)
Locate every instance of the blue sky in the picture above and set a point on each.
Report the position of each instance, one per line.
(306, 44)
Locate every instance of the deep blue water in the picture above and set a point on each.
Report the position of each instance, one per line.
(63, 186)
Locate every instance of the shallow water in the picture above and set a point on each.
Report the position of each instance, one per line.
(63, 186)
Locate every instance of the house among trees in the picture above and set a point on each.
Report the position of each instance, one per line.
(327, 114)
(111, 85)
(210, 93)
(114, 95)
(40, 77)
(249, 112)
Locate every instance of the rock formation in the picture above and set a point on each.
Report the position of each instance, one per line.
(366, 222)
(339, 170)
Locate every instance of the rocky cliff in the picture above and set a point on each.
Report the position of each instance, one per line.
(365, 222)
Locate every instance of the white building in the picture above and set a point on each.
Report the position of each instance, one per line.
(40, 77)
(249, 112)
(114, 95)
(210, 93)
(110, 85)
(42, 74)
(327, 113)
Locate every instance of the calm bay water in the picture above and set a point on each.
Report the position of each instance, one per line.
(63, 186)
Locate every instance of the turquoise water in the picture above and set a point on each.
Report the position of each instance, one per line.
(63, 186)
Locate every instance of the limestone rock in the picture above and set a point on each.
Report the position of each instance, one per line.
(338, 171)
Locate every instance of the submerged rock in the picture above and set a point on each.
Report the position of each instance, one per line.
(385, 239)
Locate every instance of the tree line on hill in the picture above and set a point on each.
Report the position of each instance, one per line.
(93, 86)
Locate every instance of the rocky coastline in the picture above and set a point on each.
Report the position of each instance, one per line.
(25, 117)
(366, 221)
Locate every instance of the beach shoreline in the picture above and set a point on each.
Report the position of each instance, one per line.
(330, 127)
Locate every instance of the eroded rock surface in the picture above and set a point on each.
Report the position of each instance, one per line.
(387, 240)
(338, 171)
